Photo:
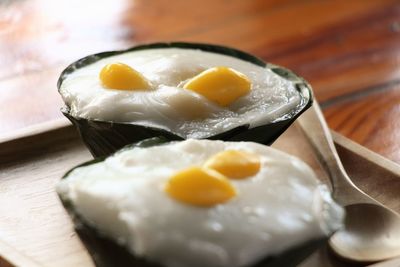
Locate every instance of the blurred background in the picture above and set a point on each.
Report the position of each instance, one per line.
(349, 50)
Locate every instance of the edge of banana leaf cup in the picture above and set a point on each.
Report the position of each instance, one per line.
(103, 138)
(105, 252)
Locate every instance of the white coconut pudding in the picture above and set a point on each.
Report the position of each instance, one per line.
(189, 92)
(203, 203)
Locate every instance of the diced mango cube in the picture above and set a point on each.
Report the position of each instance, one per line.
(235, 164)
(200, 187)
(122, 77)
(221, 85)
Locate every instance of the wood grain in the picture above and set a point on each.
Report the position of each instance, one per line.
(14, 257)
(344, 48)
(34, 222)
(372, 119)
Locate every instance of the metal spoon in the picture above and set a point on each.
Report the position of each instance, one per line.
(371, 231)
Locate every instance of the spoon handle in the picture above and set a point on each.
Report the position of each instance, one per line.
(314, 127)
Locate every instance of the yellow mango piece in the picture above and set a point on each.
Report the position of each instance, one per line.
(123, 77)
(200, 187)
(235, 164)
(221, 85)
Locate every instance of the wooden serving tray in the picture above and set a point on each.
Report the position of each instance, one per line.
(36, 231)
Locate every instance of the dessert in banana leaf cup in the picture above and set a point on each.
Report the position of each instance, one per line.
(179, 91)
(199, 203)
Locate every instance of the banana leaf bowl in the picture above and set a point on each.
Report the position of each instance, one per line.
(105, 137)
(105, 252)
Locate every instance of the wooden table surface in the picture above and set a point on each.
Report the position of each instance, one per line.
(348, 50)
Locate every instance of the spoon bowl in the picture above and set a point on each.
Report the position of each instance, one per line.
(371, 230)
(371, 233)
